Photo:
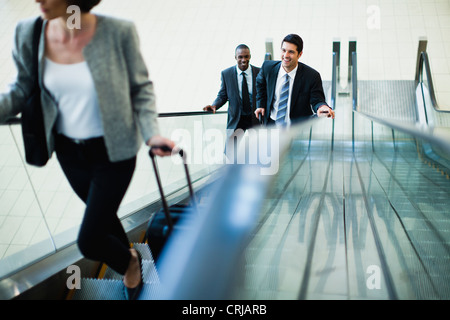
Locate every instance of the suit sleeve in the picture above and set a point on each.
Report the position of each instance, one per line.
(261, 89)
(222, 96)
(317, 94)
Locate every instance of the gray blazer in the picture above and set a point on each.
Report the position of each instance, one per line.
(125, 93)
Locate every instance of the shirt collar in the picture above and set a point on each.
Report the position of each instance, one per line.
(248, 72)
(291, 74)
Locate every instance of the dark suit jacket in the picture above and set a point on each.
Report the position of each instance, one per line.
(229, 91)
(307, 91)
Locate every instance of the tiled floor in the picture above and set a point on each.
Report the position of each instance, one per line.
(187, 43)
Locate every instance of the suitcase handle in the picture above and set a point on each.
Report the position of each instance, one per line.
(158, 180)
(163, 148)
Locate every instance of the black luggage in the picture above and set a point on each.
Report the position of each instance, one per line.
(164, 221)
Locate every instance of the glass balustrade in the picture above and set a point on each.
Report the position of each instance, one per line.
(39, 212)
(407, 190)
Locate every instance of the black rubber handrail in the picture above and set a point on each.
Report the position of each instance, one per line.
(334, 81)
(411, 129)
(424, 62)
(354, 81)
(188, 113)
(16, 120)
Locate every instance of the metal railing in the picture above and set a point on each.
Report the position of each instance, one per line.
(429, 111)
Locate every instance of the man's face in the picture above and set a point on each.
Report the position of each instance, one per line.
(243, 58)
(289, 56)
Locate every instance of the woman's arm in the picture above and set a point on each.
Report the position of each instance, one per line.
(12, 101)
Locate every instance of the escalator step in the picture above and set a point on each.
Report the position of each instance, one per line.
(110, 286)
(99, 289)
(144, 251)
(105, 289)
(150, 273)
(148, 266)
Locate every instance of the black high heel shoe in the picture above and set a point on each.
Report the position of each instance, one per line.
(133, 293)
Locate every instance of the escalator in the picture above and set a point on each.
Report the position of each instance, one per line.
(336, 218)
(362, 216)
(358, 209)
(362, 220)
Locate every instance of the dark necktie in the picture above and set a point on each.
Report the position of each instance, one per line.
(245, 95)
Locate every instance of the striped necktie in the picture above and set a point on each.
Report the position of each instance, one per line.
(282, 105)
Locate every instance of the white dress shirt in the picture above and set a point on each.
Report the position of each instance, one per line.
(280, 81)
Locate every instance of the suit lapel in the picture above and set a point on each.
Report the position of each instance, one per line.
(273, 75)
(235, 85)
(298, 80)
(254, 75)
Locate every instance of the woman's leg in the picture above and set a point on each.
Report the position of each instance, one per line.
(102, 236)
(101, 184)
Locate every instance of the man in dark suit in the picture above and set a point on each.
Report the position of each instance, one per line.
(288, 90)
(239, 89)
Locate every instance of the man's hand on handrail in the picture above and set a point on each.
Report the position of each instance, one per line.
(325, 111)
(210, 108)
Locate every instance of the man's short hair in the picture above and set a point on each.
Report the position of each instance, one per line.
(242, 46)
(294, 39)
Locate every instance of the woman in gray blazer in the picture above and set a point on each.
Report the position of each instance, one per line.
(98, 104)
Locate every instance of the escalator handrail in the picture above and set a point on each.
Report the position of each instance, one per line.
(16, 120)
(188, 114)
(417, 131)
(424, 62)
(334, 80)
(354, 81)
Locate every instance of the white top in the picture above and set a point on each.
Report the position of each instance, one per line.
(280, 81)
(72, 87)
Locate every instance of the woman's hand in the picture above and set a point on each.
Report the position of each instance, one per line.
(157, 143)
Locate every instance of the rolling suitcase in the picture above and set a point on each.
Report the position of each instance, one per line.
(164, 221)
